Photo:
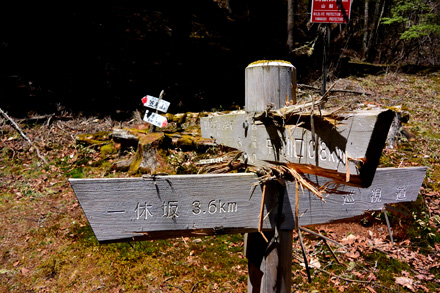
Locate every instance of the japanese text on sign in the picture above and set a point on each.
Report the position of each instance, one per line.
(155, 119)
(171, 209)
(331, 11)
(155, 103)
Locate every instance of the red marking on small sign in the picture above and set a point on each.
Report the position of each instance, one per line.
(164, 124)
(144, 100)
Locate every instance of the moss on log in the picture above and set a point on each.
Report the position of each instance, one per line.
(98, 138)
(147, 158)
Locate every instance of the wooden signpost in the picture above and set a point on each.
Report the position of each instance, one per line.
(154, 207)
(157, 207)
(159, 105)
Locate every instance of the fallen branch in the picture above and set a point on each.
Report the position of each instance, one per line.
(321, 236)
(333, 90)
(15, 125)
(342, 278)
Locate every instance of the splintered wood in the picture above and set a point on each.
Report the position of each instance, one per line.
(336, 143)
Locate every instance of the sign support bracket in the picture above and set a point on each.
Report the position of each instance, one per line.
(152, 127)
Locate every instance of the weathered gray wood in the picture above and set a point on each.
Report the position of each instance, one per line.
(390, 185)
(169, 206)
(269, 82)
(269, 264)
(361, 135)
(274, 84)
(120, 209)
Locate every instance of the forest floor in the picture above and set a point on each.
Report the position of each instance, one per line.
(46, 243)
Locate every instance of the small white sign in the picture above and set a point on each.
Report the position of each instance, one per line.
(210, 161)
(155, 119)
(155, 103)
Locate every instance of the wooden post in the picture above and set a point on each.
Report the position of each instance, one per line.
(270, 264)
(269, 82)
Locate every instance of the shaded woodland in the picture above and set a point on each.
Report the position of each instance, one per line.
(102, 57)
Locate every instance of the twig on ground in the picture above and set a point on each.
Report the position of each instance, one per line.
(306, 263)
(195, 286)
(321, 236)
(333, 91)
(342, 278)
(15, 125)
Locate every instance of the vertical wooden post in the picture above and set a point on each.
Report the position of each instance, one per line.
(269, 264)
(269, 82)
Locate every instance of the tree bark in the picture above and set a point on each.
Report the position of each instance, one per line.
(366, 30)
(290, 24)
(373, 31)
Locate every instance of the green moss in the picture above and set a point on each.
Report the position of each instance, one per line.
(136, 131)
(267, 61)
(186, 140)
(399, 108)
(388, 266)
(150, 138)
(93, 139)
(108, 149)
(76, 173)
(154, 140)
(177, 118)
(137, 160)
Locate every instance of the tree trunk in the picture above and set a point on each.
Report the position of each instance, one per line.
(366, 30)
(373, 31)
(290, 24)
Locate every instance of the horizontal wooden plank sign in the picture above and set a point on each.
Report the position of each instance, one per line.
(156, 207)
(167, 206)
(360, 135)
(390, 185)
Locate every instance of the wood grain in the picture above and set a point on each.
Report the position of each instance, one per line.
(361, 135)
(268, 83)
(121, 209)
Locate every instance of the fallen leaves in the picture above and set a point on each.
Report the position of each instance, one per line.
(24, 271)
(405, 282)
(359, 243)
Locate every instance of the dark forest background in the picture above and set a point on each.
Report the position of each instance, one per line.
(102, 57)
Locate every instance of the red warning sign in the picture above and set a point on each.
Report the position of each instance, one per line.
(331, 11)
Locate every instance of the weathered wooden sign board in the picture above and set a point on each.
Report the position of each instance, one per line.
(360, 135)
(123, 209)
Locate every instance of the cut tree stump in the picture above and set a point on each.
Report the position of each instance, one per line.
(147, 158)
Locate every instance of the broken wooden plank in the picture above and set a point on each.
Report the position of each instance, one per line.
(356, 140)
(124, 209)
(390, 185)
